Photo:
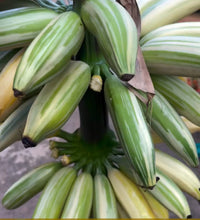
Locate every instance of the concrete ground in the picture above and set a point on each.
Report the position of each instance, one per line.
(15, 161)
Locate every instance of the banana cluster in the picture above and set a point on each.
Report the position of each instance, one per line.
(47, 60)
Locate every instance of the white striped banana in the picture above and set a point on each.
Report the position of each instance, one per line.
(104, 205)
(49, 53)
(117, 39)
(79, 201)
(56, 102)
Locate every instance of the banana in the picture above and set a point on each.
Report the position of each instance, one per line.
(184, 99)
(129, 195)
(12, 128)
(53, 197)
(29, 185)
(121, 212)
(79, 201)
(158, 209)
(19, 26)
(183, 176)
(177, 29)
(56, 102)
(173, 55)
(131, 128)
(104, 198)
(165, 121)
(49, 53)
(169, 194)
(5, 56)
(117, 39)
(156, 13)
(8, 101)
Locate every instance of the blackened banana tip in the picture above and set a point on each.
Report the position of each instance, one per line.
(18, 93)
(27, 142)
(189, 216)
(157, 179)
(126, 77)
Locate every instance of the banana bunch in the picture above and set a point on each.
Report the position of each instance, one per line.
(57, 56)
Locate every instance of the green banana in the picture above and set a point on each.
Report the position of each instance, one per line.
(117, 39)
(56, 102)
(158, 209)
(19, 26)
(129, 195)
(173, 55)
(183, 176)
(5, 56)
(49, 53)
(131, 128)
(53, 197)
(12, 128)
(104, 198)
(156, 13)
(184, 99)
(79, 201)
(177, 29)
(29, 185)
(165, 121)
(169, 194)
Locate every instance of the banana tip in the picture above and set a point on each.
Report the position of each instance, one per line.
(27, 142)
(18, 93)
(189, 216)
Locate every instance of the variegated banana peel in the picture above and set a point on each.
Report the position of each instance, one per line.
(79, 202)
(187, 29)
(129, 195)
(173, 55)
(29, 185)
(169, 194)
(156, 13)
(165, 121)
(56, 102)
(12, 128)
(183, 176)
(54, 195)
(184, 99)
(158, 209)
(19, 26)
(8, 101)
(131, 129)
(105, 205)
(49, 53)
(117, 39)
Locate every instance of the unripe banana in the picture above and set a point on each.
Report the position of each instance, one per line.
(115, 32)
(132, 130)
(129, 195)
(49, 53)
(79, 201)
(184, 99)
(29, 185)
(158, 209)
(104, 198)
(53, 197)
(19, 26)
(56, 102)
(12, 128)
(165, 121)
(169, 194)
(183, 176)
(8, 101)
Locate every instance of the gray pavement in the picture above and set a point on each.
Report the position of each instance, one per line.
(15, 161)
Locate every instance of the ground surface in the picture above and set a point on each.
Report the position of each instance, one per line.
(16, 161)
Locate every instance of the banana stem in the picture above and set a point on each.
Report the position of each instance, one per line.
(93, 117)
